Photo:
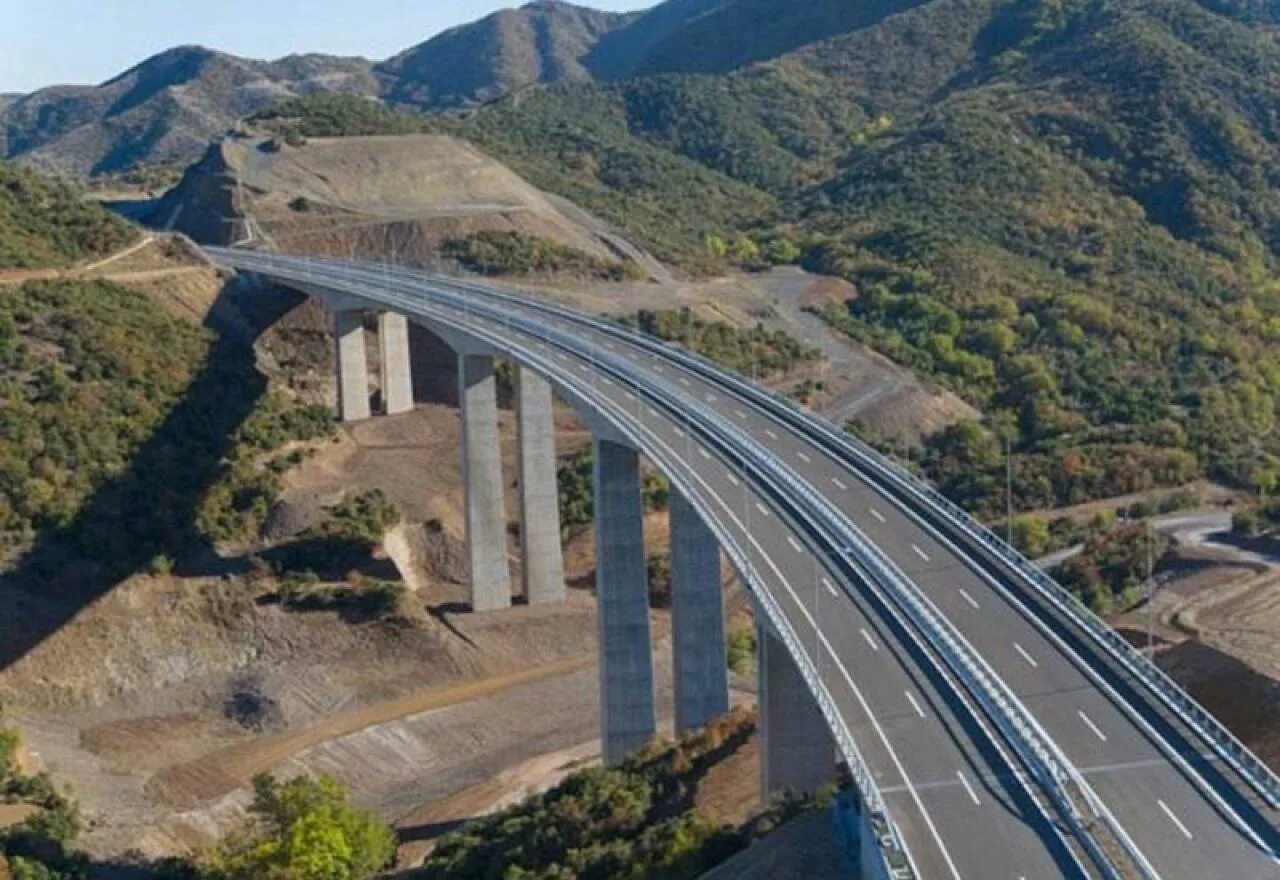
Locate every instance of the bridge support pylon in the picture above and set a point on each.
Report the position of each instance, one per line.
(697, 620)
(353, 367)
(486, 518)
(627, 714)
(397, 373)
(541, 555)
(797, 750)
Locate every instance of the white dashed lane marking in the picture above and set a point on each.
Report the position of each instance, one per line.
(877, 514)
(1175, 820)
(831, 588)
(870, 641)
(806, 459)
(1089, 723)
(972, 601)
(920, 553)
(839, 485)
(914, 705)
(1025, 656)
(795, 545)
(764, 511)
(973, 795)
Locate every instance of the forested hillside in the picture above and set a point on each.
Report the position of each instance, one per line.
(1064, 210)
(43, 223)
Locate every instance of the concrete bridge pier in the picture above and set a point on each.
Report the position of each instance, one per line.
(353, 368)
(397, 374)
(627, 715)
(797, 750)
(697, 620)
(542, 557)
(486, 518)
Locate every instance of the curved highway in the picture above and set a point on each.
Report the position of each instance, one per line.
(1000, 733)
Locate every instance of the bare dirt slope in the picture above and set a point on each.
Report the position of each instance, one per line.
(1216, 626)
(372, 195)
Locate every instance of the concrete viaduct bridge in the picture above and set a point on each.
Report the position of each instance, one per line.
(993, 728)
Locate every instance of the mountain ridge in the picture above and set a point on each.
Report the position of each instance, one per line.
(167, 107)
(541, 42)
(163, 109)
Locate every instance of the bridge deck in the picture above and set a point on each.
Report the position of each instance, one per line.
(949, 786)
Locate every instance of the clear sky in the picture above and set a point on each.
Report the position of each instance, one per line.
(47, 42)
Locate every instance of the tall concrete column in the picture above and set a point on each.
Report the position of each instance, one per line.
(697, 619)
(627, 715)
(543, 562)
(397, 374)
(797, 750)
(353, 369)
(482, 481)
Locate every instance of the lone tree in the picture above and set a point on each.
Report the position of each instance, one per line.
(305, 829)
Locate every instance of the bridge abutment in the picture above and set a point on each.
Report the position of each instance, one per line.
(697, 620)
(353, 367)
(541, 554)
(797, 750)
(397, 373)
(627, 714)
(486, 519)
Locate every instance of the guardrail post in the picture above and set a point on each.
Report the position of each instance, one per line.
(627, 715)
(797, 751)
(482, 482)
(397, 374)
(353, 369)
(697, 619)
(543, 560)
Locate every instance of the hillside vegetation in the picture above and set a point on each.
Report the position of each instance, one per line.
(634, 821)
(1062, 210)
(44, 223)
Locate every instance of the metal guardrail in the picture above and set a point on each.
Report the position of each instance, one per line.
(1216, 735)
(1038, 751)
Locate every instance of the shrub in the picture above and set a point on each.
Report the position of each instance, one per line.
(305, 829)
(741, 650)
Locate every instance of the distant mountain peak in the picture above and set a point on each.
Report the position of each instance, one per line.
(541, 42)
